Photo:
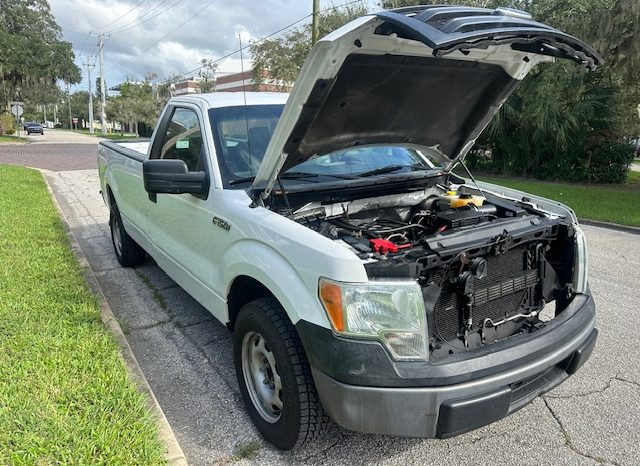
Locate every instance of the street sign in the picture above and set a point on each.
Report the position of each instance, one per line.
(74, 120)
(17, 110)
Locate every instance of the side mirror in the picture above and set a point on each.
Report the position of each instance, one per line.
(171, 176)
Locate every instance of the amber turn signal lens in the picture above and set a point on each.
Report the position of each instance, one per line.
(331, 297)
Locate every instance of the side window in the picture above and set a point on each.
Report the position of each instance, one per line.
(183, 139)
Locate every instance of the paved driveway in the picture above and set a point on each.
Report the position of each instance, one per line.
(592, 418)
(56, 150)
(61, 136)
(55, 157)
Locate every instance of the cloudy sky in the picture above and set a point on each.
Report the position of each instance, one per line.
(137, 28)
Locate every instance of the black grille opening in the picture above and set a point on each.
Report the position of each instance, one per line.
(508, 287)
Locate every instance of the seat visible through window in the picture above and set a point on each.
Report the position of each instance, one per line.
(183, 139)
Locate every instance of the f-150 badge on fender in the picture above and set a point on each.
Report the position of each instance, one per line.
(221, 223)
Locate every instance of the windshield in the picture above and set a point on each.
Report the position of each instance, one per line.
(242, 135)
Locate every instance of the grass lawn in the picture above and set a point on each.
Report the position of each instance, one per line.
(6, 138)
(609, 203)
(65, 397)
(98, 134)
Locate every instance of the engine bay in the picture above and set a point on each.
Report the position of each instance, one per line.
(487, 265)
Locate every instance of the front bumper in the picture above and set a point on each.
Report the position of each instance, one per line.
(413, 408)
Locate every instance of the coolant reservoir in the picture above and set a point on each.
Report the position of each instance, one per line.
(454, 199)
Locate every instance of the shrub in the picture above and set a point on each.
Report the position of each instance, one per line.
(609, 161)
(7, 124)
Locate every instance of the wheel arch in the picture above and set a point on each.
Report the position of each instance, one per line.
(253, 270)
(109, 194)
(243, 290)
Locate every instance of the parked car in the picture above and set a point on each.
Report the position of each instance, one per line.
(363, 280)
(34, 128)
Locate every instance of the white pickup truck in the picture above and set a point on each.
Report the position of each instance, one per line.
(364, 281)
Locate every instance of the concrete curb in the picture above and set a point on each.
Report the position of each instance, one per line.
(175, 455)
(610, 226)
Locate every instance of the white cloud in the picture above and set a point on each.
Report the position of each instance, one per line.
(211, 34)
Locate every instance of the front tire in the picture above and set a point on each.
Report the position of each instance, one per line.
(128, 252)
(275, 378)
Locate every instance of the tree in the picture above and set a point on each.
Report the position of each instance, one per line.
(207, 75)
(563, 123)
(280, 59)
(165, 89)
(33, 56)
(80, 106)
(136, 104)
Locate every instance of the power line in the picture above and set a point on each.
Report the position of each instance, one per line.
(124, 28)
(138, 18)
(219, 59)
(167, 35)
(82, 47)
(335, 7)
(120, 17)
(246, 46)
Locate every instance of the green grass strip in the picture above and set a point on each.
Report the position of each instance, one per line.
(15, 139)
(608, 203)
(98, 134)
(65, 397)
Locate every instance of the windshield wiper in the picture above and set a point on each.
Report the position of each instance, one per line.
(242, 180)
(285, 176)
(301, 175)
(294, 175)
(389, 169)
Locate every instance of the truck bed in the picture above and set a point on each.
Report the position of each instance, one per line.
(135, 149)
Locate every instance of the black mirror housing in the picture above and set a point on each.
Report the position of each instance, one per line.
(171, 176)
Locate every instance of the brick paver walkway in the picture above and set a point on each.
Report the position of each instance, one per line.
(54, 157)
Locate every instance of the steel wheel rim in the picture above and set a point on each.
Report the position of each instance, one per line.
(261, 377)
(117, 237)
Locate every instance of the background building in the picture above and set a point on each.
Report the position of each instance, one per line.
(230, 77)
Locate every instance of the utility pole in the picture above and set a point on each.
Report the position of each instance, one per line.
(314, 22)
(103, 96)
(69, 102)
(90, 66)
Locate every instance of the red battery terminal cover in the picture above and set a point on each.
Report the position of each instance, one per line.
(384, 246)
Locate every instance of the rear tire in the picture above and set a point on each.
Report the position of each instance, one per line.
(275, 378)
(128, 252)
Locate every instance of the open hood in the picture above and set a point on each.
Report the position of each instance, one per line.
(416, 76)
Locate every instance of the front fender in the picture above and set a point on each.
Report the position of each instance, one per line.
(266, 265)
(549, 204)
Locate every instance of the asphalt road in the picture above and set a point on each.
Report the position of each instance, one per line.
(592, 418)
(61, 136)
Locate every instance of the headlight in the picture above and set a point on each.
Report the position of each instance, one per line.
(392, 312)
(580, 261)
